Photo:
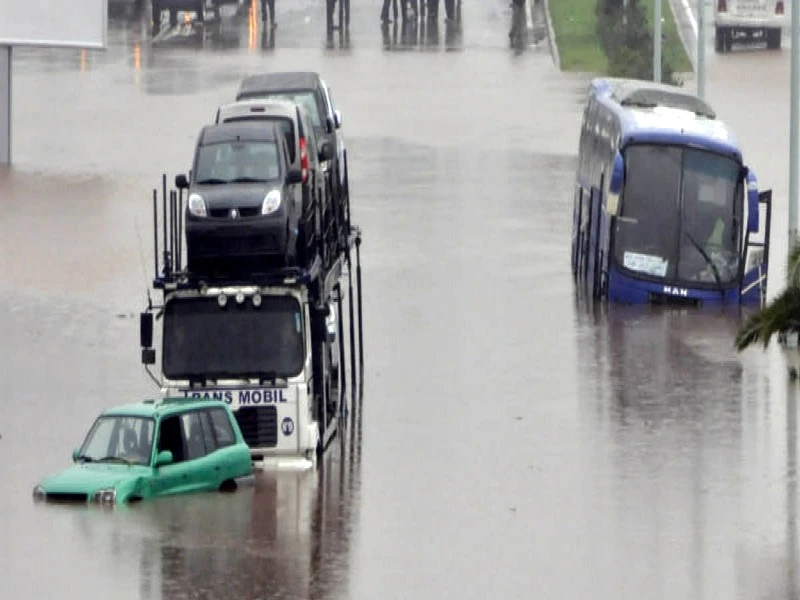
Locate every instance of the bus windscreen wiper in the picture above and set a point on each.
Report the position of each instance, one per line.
(707, 258)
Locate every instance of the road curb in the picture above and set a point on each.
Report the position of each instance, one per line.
(551, 35)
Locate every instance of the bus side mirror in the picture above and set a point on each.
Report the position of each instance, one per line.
(146, 329)
(752, 201)
(615, 183)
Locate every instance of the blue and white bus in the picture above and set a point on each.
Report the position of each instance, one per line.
(665, 211)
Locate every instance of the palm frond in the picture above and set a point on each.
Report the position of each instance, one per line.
(793, 266)
(782, 315)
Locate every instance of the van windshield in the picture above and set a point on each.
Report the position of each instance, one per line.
(285, 126)
(680, 215)
(305, 98)
(202, 340)
(228, 162)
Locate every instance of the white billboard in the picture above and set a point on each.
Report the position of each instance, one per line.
(54, 23)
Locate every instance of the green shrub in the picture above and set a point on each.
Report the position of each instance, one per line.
(627, 41)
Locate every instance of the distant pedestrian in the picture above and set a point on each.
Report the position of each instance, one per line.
(385, 11)
(271, 5)
(433, 10)
(450, 10)
(518, 20)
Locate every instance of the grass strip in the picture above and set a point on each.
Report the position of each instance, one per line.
(579, 47)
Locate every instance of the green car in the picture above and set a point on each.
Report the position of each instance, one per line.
(199, 448)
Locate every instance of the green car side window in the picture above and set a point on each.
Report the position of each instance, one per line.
(222, 428)
(193, 434)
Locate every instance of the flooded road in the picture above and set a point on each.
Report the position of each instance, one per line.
(514, 443)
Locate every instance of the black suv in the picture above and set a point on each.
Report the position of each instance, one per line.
(308, 89)
(307, 154)
(244, 204)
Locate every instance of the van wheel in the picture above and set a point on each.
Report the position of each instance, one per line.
(774, 38)
(719, 42)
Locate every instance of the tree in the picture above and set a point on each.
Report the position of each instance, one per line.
(781, 316)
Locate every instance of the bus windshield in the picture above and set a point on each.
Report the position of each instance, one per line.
(201, 340)
(680, 216)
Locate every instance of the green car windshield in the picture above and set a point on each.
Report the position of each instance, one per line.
(117, 438)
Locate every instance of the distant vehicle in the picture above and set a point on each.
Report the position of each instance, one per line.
(198, 7)
(748, 20)
(665, 211)
(243, 201)
(199, 447)
(307, 153)
(310, 91)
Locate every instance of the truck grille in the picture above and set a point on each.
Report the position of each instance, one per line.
(259, 425)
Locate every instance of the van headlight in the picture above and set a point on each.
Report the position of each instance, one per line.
(272, 202)
(197, 206)
(105, 496)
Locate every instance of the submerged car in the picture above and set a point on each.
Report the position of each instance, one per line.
(198, 447)
(244, 203)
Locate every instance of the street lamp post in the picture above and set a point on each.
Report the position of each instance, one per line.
(657, 41)
(701, 49)
(793, 122)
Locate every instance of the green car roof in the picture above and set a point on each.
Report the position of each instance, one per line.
(161, 406)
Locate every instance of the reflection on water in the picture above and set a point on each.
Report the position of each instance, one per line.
(424, 35)
(285, 535)
(680, 422)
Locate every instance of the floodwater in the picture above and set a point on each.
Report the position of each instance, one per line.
(513, 442)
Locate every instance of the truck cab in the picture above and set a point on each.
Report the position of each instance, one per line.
(264, 351)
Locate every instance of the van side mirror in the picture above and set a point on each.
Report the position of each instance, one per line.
(326, 151)
(181, 182)
(337, 119)
(752, 201)
(294, 176)
(616, 178)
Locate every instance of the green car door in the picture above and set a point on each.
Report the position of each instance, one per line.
(187, 471)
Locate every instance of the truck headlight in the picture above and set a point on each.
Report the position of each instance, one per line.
(272, 202)
(105, 496)
(197, 206)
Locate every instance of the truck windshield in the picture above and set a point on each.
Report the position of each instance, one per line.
(680, 215)
(202, 341)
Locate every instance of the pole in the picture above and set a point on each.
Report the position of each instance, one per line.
(657, 42)
(5, 105)
(701, 49)
(793, 122)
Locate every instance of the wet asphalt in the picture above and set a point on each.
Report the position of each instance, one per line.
(513, 442)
